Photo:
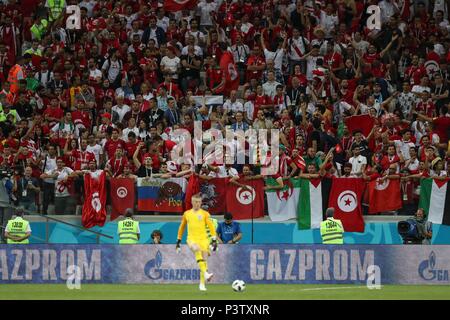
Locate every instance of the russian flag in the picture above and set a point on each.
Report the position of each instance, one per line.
(163, 195)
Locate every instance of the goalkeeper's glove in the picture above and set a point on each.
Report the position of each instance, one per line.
(214, 244)
(178, 247)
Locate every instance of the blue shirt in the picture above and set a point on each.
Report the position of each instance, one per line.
(226, 232)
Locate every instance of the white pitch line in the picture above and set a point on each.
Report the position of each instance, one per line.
(334, 288)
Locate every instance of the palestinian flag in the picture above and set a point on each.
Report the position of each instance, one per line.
(313, 202)
(435, 200)
(282, 204)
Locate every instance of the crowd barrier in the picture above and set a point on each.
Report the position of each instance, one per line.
(263, 233)
(302, 264)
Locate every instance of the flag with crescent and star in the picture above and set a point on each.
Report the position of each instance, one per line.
(122, 195)
(282, 204)
(384, 195)
(248, 202)
(345, 197)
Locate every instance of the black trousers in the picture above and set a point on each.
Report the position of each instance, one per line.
(48, 195)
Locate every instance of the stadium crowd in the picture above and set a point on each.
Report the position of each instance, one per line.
(111, 94)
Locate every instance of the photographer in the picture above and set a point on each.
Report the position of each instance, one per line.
(424, 228)
(26, 188)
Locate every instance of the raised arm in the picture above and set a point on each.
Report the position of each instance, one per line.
(136, 161)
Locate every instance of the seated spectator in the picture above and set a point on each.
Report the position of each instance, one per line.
(229, 231)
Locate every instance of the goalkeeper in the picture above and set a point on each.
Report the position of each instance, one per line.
(197, 220)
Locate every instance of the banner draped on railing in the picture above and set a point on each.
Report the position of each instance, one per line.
(163, 195)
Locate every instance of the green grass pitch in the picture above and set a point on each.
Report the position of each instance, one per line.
(220, 292)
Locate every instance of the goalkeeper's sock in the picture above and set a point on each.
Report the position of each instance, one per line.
(202, 266)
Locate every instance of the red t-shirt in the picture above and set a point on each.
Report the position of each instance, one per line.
(441, 127)
(57, 113)
(111, 146)
(82, 117)
(131, 148)
(82, 159)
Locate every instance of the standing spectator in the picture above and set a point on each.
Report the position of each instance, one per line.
(26, 188)
(61, 175)
(358, 162)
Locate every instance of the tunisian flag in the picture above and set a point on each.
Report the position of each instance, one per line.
(122, 196)
(229, 70)
(178, 5)
(192, 188)
(362, 122)
(384, 195)
(94, 210)
(246, 203)
(345, 197)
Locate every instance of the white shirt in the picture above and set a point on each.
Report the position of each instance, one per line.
(403, 148)
(224, 172)
(297, 43)
(328, 22)
(89, 5)
(121, 111)
(171, 64)
(113, 69)
(270, 88)
(50, 165)
(311, 65)
(413, 165)
(233, 106)
(67, 127)
(357, 163)
(276, 57)
(126, 131)
(249, 108)
(197, 51)
(94, 74)
(205, 10)
(419, 89)
(45, 77)
(97, 150)
(387, 10)
(163, 23)
(362, 46)
(198, 35)
(61, 190)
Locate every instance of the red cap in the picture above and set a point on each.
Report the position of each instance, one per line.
(106, 115)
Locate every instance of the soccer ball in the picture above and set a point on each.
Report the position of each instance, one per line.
(238, 285)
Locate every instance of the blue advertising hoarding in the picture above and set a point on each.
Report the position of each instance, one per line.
(302, 264)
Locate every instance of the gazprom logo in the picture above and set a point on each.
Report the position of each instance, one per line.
(155, 271)
(427, 270)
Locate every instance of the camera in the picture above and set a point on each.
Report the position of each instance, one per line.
(409, 232)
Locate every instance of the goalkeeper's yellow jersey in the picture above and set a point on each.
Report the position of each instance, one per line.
(196, 222)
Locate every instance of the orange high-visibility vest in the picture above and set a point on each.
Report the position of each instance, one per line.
(12, 78)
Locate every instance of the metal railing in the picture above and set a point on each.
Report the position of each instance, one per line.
(47, 228)
(47, 231)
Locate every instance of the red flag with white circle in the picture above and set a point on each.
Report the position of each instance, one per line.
(122, 195)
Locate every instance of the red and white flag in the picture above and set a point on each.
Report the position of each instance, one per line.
(384, 195)
(363, 122)
(345, 197)
(122, 196)
(178, 5)
(94, 208)
(245, 203)
(228, 67)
